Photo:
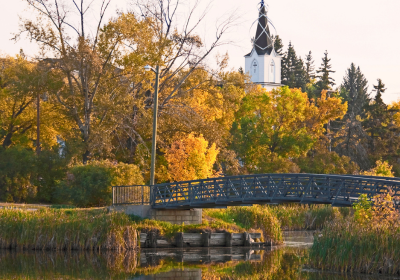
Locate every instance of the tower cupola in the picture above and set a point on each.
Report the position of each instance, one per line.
(263, 64)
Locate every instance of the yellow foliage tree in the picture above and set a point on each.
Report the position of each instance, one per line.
(382, 168)
(190, 159)
(22, 82)
(283, 123)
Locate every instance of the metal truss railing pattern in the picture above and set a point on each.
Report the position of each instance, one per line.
(132, 195)
(338, 190)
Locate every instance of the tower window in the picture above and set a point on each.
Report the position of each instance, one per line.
(272, 72)
(255, 66)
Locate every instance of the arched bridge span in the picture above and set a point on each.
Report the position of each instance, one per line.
(338, 190)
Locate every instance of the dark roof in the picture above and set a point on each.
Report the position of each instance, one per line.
(263, 42)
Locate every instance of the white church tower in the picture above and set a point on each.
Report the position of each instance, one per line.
(263, 64)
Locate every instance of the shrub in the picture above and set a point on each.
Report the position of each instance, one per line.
(17, 170)
(91, 185)
(86, 186)
(26, 177)
(123, 174)
(51, 168)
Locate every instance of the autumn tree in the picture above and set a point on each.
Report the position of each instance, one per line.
(191, 158)
(95, 84)
(320, 160)
(281, 124)
(22, 82)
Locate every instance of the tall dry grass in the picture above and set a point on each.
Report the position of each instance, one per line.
(293, 216)
(254, 217)
(368, 242)
(50, 229)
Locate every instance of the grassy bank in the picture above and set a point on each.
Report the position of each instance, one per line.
(97, 229)
(169, 230)
(305, 217)
(255, 217)
(368, 242)
(50, 229)
(272, 220)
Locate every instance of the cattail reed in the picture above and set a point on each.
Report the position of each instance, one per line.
(49, 229)
(368, 242)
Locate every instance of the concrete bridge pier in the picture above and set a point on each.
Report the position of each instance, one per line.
(177, 217)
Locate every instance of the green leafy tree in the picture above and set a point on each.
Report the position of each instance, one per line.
(17, 173)
(325, 162)
(91, 184)
(273, 127)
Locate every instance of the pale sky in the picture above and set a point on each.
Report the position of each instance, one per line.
(361, 31)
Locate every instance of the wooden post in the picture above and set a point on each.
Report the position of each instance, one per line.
(153, 239)
(228, 239)
(206, 239)
(179, 240)
(113, 191)
(247, 241)
(142, 194)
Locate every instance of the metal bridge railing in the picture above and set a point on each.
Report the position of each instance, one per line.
(132, 195)
(338, 190)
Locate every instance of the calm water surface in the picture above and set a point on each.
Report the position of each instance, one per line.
(283, 262)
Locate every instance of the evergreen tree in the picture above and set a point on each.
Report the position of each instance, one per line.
(293, 71)
(351, 139)
(288, 66)
(300, 75)
(377, 119)
(354, 90)
(278, 45)
(325, 80)
(380, 88)
(382, 128)
(310, 72)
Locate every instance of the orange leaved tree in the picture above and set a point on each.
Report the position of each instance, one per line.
(190, 158)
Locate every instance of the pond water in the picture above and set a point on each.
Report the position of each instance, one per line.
(278, 262)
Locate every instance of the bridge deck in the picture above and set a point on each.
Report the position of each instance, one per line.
(338, 190)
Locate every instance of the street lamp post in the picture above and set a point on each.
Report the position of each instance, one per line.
(155, 114)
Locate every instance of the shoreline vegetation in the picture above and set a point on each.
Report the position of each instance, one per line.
(365, 239)
(70, 229)
(58, 228)
(366, 242)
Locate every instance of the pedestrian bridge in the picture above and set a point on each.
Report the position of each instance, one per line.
(337, 190)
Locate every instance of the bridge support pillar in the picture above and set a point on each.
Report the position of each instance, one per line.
(177, 217)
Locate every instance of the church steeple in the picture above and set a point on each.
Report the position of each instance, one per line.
(263, 42)
(263, 64)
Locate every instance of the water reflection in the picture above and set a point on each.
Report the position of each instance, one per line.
(283, 262)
